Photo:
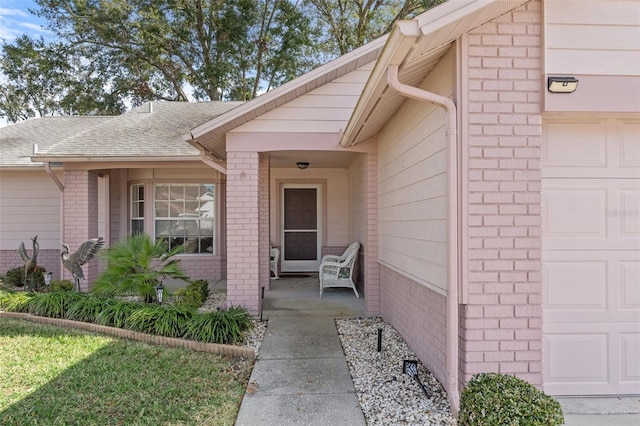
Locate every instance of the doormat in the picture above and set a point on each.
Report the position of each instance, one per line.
(294, 276)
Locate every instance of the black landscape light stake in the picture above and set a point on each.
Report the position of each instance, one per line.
(410, 367)
(261, 303)
(379, 339)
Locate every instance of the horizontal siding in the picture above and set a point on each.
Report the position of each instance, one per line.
(29, 205)
(326, 109)
(357, 200)
(596, 37)
(412, 198)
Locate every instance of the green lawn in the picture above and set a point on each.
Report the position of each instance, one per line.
(56, 376)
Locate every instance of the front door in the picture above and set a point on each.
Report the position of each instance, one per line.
(301, 218)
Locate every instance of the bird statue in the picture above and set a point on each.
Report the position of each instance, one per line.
(30, 263)
(73, 262)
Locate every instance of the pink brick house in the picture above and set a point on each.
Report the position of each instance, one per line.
(498, 217)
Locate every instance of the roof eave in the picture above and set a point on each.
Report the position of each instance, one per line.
(400, 46)
(101, 159)
(291, 90)
(401, 39)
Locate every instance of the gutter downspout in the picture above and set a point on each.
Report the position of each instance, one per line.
(54, 178)
(452, 189)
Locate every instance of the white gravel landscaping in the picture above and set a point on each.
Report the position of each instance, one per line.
(387, 395)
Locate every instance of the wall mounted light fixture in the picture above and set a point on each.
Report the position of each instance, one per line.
(562, 84)
(302, 165)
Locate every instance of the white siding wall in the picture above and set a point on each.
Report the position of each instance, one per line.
(336, 201)
(357, 200)
(594, 37)
(324, 110)
(412, 197)
(29, 205)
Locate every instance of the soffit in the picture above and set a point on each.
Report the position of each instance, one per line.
(438, 29)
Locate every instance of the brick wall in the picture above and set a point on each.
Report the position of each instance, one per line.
(80, 218)
(205, 268)
(419, 315)
(263, 200)
(501, 326)
(243, 230)
(48, 259)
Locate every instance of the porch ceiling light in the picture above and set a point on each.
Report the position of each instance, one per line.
(562, 84)
(302, 165)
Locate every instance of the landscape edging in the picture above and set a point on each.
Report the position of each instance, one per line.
(214, 348)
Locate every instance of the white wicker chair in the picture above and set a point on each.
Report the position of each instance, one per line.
(337, 271)
(273, 262)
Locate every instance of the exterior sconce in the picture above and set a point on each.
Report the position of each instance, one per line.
(302, 165)
(562, 84)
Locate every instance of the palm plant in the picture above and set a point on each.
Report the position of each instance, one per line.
(136, 265)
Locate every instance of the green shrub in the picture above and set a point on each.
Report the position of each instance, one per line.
(61, 285)
(169, 321)
(115, 314)
(224, 326)
(87, 309)
(15, 277)
(54, 305)
(15, 301)
(495, 399)
(201, 286)
(136, 265)
(192, 296)
(187, 298)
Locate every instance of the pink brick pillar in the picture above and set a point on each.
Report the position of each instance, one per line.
(371, 265)
(80, 218)
(245, 232)
(501, 326)
(263, 200)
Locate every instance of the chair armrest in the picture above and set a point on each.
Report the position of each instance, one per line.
(330, 258)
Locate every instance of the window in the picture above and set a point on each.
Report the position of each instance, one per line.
(137, 209)
(184, 215)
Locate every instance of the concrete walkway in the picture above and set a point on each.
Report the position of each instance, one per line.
(601, 411)
(301, 375)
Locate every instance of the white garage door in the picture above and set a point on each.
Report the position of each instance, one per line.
(591, 256)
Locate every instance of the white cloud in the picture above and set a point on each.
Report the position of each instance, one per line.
(15, 22)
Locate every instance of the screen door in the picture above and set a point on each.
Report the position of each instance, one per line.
(301, 219)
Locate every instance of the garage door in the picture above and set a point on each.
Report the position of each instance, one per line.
(591, 256)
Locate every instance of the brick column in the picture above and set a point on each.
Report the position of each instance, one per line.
(80, 218)
(263, 210)
(243, 230)
(501, 326)
(371, 265)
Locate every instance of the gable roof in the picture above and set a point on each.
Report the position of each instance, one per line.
(17, 140)
(211, 136)
(150, 132)
(415, 45)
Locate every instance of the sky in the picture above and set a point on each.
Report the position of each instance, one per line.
(16, 20)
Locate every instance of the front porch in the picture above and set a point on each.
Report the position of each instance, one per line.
(334, 203)
(299, 294)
